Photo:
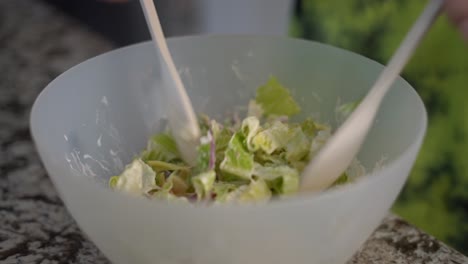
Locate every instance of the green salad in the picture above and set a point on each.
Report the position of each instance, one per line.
(241, 161)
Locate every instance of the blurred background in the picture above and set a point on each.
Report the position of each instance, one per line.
(436, 196)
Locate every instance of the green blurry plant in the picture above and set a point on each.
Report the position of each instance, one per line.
(436, 195)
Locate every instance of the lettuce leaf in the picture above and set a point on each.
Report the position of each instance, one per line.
(158, 166)
(203, 184)
(341, 180)
(113, 181)
(298, 145)
(203, 158)
(166, 193)
(250, 128)
(237, 161)
(160, 178)
(179, 185)
(162, 147)
(309, 128)
(272, 138)
(274, 99)
(137, 178)
(240, 161)
(222, 191)
(283, 180)
(222, 141)
(274, 158)
(257, 191)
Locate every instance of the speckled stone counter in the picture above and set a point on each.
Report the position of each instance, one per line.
(36, 44)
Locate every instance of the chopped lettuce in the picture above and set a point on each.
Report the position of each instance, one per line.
(341, 180)
(162, 147)
(272, 138)
(160, 178)
(250, 128)
(277, 158)
(203, 159)
(256, 191)
(165, 166)
(298, 145)
(166, 193)
(309, 128)
(222, 191)
(222, 141)
(274, 99)
(239, 160)
(113, 181)
(179, 185)
(203, 184)
(137, 178)
(282, 179)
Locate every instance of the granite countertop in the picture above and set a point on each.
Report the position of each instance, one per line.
(37, 43)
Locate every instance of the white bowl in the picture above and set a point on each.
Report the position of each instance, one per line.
(94, 118)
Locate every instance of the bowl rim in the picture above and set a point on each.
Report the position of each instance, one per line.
(297, 199)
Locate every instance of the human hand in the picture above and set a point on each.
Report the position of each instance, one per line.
(457, 11)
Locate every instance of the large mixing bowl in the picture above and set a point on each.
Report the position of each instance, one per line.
(93, 119)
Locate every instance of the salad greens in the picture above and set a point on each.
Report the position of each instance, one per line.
(240, 161)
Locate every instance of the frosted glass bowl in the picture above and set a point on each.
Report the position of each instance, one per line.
(93, 119)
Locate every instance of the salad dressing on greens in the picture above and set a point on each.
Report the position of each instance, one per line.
(253, 160)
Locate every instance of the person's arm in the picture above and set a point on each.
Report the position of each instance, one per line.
(457, 10)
